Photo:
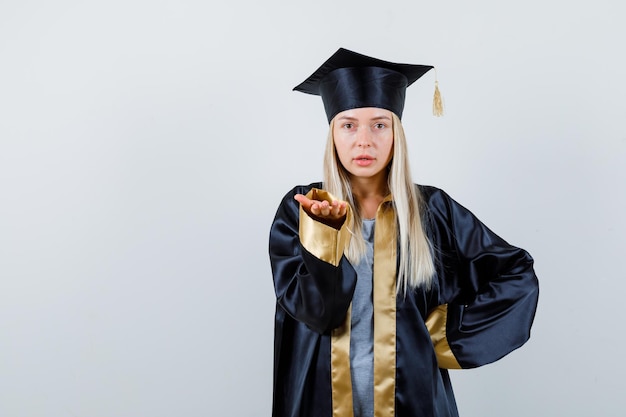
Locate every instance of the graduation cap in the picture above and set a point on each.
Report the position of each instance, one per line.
(349, 80)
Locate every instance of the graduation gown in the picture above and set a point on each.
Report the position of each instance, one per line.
(480, 307)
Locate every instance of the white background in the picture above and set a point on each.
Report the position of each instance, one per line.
(145, 146)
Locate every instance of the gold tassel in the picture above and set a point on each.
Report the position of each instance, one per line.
(437, 101)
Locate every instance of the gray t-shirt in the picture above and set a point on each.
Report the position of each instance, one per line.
(362, 330)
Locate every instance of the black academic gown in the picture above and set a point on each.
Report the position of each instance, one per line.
(479, 308)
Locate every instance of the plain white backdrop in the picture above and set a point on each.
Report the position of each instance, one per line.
(145, 146)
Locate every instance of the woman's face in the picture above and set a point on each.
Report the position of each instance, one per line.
(364, 141)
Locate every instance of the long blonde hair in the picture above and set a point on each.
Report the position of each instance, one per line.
(416, 267)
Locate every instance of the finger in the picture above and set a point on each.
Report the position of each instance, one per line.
(343, 209)
(315, 209)
(302, 199)
(306, 203)
(325, 208)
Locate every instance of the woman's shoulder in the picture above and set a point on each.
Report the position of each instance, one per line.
(436, 200)
(441, 207)
(428, 190)
(431, 194)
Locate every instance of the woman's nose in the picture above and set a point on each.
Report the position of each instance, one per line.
(364, 139)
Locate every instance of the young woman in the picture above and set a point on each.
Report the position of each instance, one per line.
(383, 285)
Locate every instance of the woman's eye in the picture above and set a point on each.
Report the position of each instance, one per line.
(379, 125)
(348, 126)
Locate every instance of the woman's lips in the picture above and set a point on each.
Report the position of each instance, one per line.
(364, 160)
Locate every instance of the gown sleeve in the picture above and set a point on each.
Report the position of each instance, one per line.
(313, 280)
(488, 290)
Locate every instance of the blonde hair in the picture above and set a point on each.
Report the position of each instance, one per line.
(415, 267)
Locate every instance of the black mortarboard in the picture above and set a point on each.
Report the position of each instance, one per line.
(348, 80)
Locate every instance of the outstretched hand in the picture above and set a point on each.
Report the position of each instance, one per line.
(332, 214)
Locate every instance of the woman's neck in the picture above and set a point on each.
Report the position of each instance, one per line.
(369, 193)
